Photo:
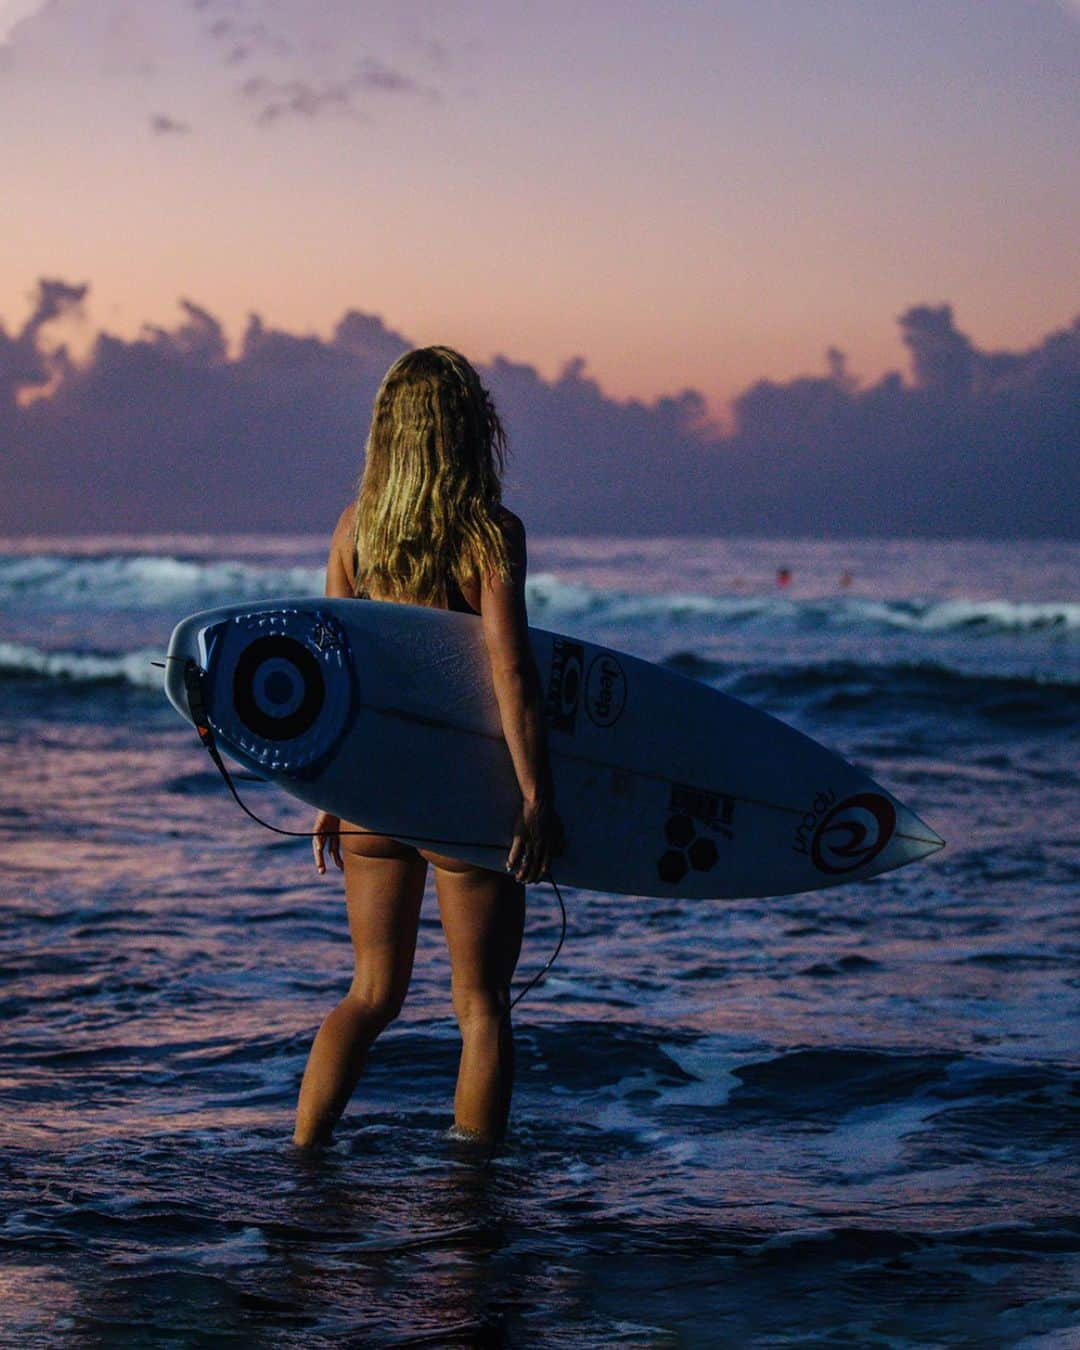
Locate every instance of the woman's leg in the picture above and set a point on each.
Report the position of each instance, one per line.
(383, 895)
(483, 915)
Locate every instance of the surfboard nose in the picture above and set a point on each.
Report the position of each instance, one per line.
(912, 840)
(866, 833)
(917, 833)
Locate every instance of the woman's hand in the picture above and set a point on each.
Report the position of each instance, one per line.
(327, 836)
(538, 833)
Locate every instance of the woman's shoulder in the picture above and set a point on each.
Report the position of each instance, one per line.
(345, 528)
(343, 545)
(513, 528)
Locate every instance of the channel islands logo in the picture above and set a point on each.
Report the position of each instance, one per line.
(696, 819)
(853, 833)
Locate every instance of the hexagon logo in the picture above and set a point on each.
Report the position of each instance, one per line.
(697, 818)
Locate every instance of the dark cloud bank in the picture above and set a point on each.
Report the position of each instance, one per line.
(171, 431)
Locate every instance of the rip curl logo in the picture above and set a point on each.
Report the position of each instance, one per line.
(853, 833)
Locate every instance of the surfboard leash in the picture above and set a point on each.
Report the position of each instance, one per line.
(197, 707)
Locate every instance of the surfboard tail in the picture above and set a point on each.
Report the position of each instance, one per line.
(183, 647)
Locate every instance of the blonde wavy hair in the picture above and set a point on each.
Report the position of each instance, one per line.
(428, 504)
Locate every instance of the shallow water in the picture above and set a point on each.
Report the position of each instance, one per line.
(846, 1117)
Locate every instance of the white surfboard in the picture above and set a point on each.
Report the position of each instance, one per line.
(385, 715)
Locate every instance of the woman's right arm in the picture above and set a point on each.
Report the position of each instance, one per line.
(537, 830)
(339, 577)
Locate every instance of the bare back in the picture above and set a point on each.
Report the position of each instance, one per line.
(500, 605)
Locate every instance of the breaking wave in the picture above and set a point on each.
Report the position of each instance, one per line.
(18, 660)
(147, 581)
(549, 596)
(857, 689)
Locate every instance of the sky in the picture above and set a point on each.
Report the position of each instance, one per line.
(689, 195)
(740, 265)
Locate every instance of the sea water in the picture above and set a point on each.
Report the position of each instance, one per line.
(840, 1118)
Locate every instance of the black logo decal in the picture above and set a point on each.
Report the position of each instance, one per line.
(711, 808)
(690, 809)
(278, 688)
(605, 690)
(564, 684)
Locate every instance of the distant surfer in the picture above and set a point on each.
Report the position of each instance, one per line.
(783, 577)
(428, 527)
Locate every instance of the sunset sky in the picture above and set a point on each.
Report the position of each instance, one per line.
(690, 194)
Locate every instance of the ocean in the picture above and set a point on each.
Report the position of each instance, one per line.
(840, 1118)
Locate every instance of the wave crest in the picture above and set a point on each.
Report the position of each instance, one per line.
(154, 581)
(17, 660)
(548, 596)
(146, 581)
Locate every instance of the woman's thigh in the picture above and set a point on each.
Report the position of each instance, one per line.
(383, 897)
(483, 917)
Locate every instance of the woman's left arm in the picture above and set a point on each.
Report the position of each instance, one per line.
(326, 835)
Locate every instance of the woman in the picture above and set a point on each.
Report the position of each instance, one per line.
(428, 528)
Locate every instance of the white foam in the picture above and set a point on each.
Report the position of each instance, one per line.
(132, 668)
